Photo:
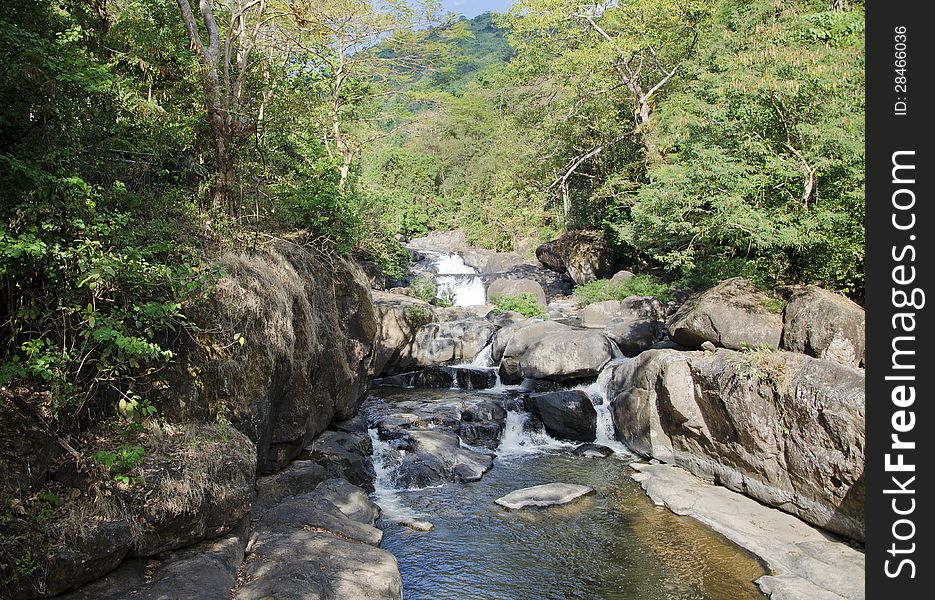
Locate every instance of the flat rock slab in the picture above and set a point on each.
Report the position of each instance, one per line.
(806, 563)
(549, 494)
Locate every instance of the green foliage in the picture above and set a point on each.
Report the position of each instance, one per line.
(121, 462)
(764, 152)
(525, 304)
(418, 315)
(600, 290)
(424, 288)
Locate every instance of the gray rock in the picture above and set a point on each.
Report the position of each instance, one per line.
(584, 255)
(602, 314)
(501, 288)
(784, 428)
(824, 325)
(343, 455)
(593, 451)
(633, 336)
(441, 241)
(805, 563)
(550, 350)
(290, 563)
(465, 378)
(398, 318)
(447, 342)
(502, 261)
(566, 414)
(555, 285)
(541, 496)
(732, 314)
(621, 276)
(440, 453)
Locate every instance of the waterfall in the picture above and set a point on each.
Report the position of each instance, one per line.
(385, 494)
(517, 440)
(459, 282)
(484, 358)
(599, 393)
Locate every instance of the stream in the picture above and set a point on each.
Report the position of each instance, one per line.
(612, 545)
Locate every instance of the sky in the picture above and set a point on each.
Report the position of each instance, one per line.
(472, 8)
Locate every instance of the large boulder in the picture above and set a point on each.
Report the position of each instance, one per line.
(541, 496)
(555, 285)
(502, 288)
(434, 457)
(825, 325)
(502, 261)
(308, 322)
(784, 428)
(446, 342)
(584, 255)
(601, 314)
(566, 414)
(550, 350)
(398, 318)
(733, 314)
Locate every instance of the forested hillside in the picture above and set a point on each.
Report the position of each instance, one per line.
(140, 140)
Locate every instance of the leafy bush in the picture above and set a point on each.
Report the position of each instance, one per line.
(525, 304)
(424, 288)
(419, 315)
(604, 289)
(122, 461)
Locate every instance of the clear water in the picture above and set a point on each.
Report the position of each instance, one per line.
(613, 545)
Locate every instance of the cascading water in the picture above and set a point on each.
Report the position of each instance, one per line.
(385, 493)
(459, 282)
(519, 440)
(598, 393)
(484, 358)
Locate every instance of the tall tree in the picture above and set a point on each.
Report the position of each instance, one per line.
(232, 31)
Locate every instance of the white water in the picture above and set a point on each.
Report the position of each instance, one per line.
(459, 281)
(385, 493)
(598, 393)
(484, 358)
(518, 441)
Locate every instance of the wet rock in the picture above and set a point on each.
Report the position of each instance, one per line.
(541, 496)
(434, 457)
(784, 428)
(466, 378)
(482, 423)
(343, 455)
(593, 451)
(824, 325)
(733, 314)
(503, 288)
(567, 414)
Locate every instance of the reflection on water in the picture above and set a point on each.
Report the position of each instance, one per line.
(615, 545)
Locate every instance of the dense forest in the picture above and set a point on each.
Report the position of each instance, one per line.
(140, 139)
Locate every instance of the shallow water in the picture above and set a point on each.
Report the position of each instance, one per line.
(613, 545)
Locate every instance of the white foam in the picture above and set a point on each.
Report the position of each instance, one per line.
(518, 441)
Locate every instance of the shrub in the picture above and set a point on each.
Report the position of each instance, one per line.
(424, 288)
(525, 304)
(605, 289)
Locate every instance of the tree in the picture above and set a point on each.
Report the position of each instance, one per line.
(225, 56)
(607, 65)
(340, 38)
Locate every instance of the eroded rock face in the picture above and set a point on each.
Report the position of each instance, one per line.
(732, 314)
(566, 414)
(584, 255)
(308, 321)
(824, 325)
(550, 350)
(784, 428)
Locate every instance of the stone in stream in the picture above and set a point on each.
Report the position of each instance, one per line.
(566, 414)
(550, 350)
(540, 496)
(593, 451)
(465, 378)
(434, 457)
